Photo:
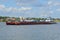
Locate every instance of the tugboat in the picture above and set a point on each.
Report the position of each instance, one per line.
(28, 22)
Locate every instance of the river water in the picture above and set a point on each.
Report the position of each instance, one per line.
(29, 32)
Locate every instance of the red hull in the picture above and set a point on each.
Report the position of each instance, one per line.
(28, 23)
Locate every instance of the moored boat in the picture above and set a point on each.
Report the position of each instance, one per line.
(29, 22)
(22, 21)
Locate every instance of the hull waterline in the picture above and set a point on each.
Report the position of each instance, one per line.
(29, 23)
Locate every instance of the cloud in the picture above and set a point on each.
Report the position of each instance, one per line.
(32, 3)
(2, 7)
(58, 9)
(13, 9)
(57, 4)
(25, 8)
(49, 2)
(51, 12)
(26, 1)
(53, 3)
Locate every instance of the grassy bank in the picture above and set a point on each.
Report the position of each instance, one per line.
(57, 20)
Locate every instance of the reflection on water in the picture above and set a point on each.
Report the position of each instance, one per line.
(29, 32)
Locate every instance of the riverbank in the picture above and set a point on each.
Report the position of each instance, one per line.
(5, 20)
(57, 20)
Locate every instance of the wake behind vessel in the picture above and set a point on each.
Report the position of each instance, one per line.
(22, 21)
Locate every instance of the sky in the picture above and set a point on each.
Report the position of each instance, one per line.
(30, 8)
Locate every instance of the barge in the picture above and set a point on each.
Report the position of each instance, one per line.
(29, 22)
